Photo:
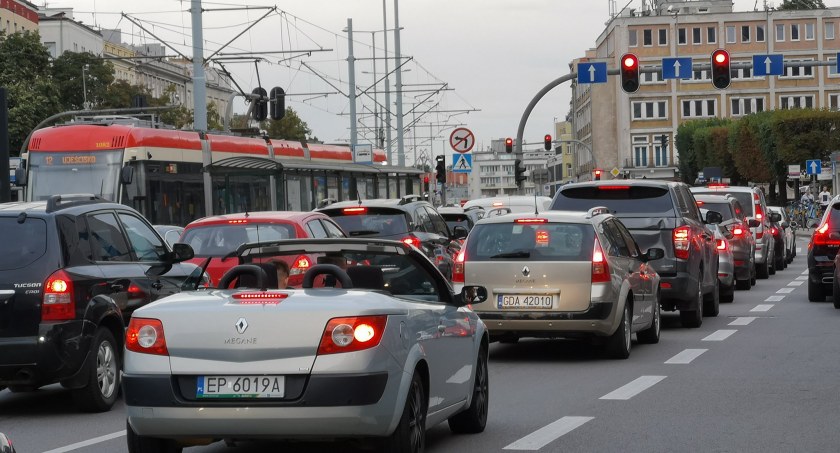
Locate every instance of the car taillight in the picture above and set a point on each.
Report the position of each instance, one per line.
(135, 292)
(821, 236)
(259, 298)
(721, 244)
(352, 334)
(355, 211)
(411, 240)
(774, 231)
(300, 265)
(682, 243)
(145, 335)
(530, 220)
(759, 213)
(600, 268)
(738, 231)
(57, 303)
(458, 267)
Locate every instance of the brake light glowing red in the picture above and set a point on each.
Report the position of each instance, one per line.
(682, 242)
(300, 266)
(613, 187)
(774, 231)
(260, 298)
(701, 203)
(530, 221)
(498, 204)
(238, 221)
(145, 335)
(458, 267)
(721, 244)
(355, 211)
(713, 185)
(352, 334)
(738, 231)
(413, 241)
(821, 237)
(57, 302)
(600, 268)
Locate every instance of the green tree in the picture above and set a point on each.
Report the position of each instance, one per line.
(121, 93)
(802, 4)
(291, 127)
(81, 76)
(25, 72)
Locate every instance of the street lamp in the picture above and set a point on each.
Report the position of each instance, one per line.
(85, 105)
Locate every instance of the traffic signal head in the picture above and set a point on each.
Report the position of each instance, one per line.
(629, 72)
(440, 168)
(259, 110)
(519, 172)
(721, 72)
(508, 145)
(547, 141)
(277, 103)
(426, 179)
(597, 174)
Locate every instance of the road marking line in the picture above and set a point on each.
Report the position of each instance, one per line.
(742, 321)
(795, 283)
(547, 434)
(89, 442)
(805, 272)
(686, 356)
(785, 290)
(762, 307)
(774, 299)
(799, 250)
(802, 278)
(632, 389)
(720, 335)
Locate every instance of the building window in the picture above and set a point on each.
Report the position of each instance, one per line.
(632, 38)
(730, 34)
(745, 106)
(794, 32)
(832, 69)
(699, 76)
(650, 110)
(681, 36)
(797, 102)
(780, 32)
(834, 101)
(711, 35)
(809, 32)
(759, 33)
(699, 108)
(660, 155)
(651, 78)
(745, 33)
(663, 37)
(647, 36)
(640, 151)
(696, 36)
(742, 73)
(569, 170)
(799, 72)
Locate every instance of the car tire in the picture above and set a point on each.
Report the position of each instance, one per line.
(762, 270)
(727, 293)
(474, 419)
(618, 344)
(651, 334)
(816, 292)
(509, 340)
(711, 302)
(103, 375)
(780, 262)
(743, 285)
(771, 266)
(410, 434)
(694, 318)
(143, 444)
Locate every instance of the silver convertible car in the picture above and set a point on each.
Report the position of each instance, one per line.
(374, 345)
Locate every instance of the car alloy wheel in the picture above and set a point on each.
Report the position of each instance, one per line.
(106, 369)
(416, 426)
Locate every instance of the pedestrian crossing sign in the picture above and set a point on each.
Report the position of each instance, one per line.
(462, 163)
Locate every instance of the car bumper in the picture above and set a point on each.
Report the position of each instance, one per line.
(598, 320)
(326, 406)
(57, 353)
(678, 292)
(761, 253)
(726, 273)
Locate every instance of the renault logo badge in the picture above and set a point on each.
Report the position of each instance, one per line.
(525, 271)
(241, 325)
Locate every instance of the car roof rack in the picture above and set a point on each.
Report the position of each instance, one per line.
(410, 199)
(597, 210)
(56, 202)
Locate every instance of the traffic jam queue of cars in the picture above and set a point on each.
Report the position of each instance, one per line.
(292, 303)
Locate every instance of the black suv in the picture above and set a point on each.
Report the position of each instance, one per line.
(664, 215)
(408, 219)
(822, 251)
(79, 267)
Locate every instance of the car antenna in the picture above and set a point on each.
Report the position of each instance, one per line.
(536, 209)
(360, 198)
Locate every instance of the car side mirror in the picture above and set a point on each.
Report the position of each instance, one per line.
(654, 253)
(182, 252)
(753, 223)
(459, 232)
(20, 176)
(473, 295)
(713, 217)
(127, 175)
(775, 217)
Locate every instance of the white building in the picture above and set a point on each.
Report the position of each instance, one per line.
(60, 33)
(492, 172)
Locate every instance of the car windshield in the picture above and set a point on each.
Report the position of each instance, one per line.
(219, 240)
(725, 209)
(519, 242)
(372, 224)
(744, 198)
(630, 200)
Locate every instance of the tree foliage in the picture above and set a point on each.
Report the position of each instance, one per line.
(801, 4)
(290, 127)
(80, 76)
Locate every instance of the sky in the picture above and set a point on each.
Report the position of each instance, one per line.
(493, 55)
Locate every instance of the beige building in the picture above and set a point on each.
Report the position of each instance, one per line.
(626, 131)
(18, 16)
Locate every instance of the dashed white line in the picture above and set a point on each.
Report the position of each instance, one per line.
(796, 283)
(89, 442)
(799, 250)
(805, 272)
(785, 290)
(547, 434)
(720, 335)
(774, 299)
(632, 389)
(742, 321)
(802, 278)
(686, 356)
(762, 307)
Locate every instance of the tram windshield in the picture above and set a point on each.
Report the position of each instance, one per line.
(95, 172)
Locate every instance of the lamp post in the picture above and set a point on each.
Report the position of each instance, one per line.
(85, 105)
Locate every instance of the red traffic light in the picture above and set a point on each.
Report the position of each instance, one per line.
(721, 70)
(547, 142)
(720, 56)
(629, 61)
(426, 179)
(597, 172)
(508, 145)
(629, 73)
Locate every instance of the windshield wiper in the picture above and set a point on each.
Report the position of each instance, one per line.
(517, 254)
(363, 232)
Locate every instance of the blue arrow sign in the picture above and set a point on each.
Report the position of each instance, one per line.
(595, 72)
(772, 64)
(813, 167)
(462, 163)
(676, 68)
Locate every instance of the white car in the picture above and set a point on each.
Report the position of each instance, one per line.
(377, 348)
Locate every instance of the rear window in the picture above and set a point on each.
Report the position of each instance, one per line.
(628, 201)
(542, 242)
(725, 209)
(744, 198)
(453, 220)
(219, 240)
(372, 223)
(30, 240)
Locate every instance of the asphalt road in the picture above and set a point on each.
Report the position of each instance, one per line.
(762, 376)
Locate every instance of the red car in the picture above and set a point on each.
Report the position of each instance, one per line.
(220, 235)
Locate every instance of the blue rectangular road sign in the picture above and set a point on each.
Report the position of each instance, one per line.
(772, 64)
(594, 72)
(461, 163)
(813, 166)
(676, 68)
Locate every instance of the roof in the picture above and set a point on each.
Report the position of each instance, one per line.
(257, 217)
(552, 216)
(726, 188)
(375, 202)
(512, 200)
(623, 182)
(713, 197)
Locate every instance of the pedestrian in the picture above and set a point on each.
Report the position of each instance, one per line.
(825, 198)
(807, 199)
(282, 273)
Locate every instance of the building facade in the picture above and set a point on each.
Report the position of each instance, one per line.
(61, 33)
(18, 16)
(635, 132)
(492, 171)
